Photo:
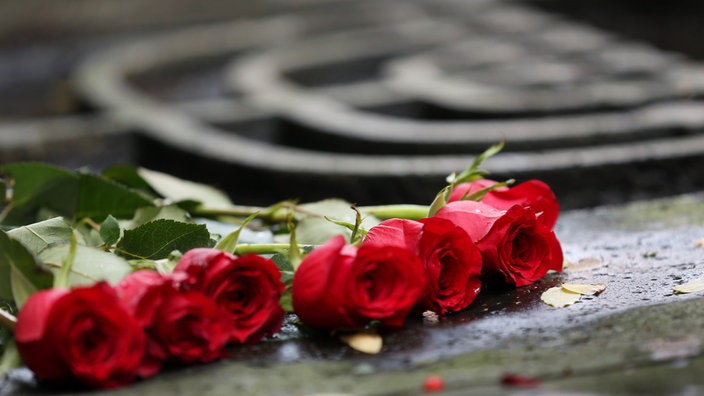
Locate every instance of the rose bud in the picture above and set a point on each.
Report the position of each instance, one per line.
(339, 286)
(452, 263)
(248, 287)
(515, 246)
(84, 334)
(181, 326)
(533, 194)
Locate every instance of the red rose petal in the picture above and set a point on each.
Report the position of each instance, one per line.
(433, 383)
(520, 381)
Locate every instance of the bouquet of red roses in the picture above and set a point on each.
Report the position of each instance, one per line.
(106, 291)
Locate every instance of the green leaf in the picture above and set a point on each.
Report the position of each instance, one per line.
(110, 230)
(473, 172)
(3, 191)
(41, 187)
(89, 265)
(470, 174)
(229, 242)
(440, 200)
(38, 236)
(99, 197)
(313, 228)
(87, 234)
(128, 175)
(156, 239)
(162, 266)
(14, 256)
(145, 215)
(178, 190)
(36, 186)
(287, 270)
(286, 300)
(358, 232)
(282, 263)
(22, 287)
(480, 194)
(10, 358)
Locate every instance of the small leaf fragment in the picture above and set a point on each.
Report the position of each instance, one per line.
(110, 230)
(369, 343)
(10, 358)
(699, 243)
(690, 287)
(586, 289)
(559, 297)
(229, 242)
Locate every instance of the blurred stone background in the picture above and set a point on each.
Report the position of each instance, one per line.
(374, 101)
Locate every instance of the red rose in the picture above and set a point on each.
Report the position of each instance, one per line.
(452, 263)
(143, 292)
(248, 287)
(84, 333)
(181, 326)
(514, 245)
(191, 327)
(338, 286)
(532, 194)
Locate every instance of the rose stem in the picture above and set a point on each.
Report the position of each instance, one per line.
(267, 248)
(7, 320)
(404, 211)
(401, 211)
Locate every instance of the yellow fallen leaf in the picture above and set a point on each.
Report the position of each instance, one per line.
(699, 243)
(588, 263)
(566, 263)
(430, 318)
(586, 289)
(690, 287)
(559, 297)
(364, 342)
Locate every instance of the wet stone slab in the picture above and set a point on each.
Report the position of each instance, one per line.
(637, 337)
